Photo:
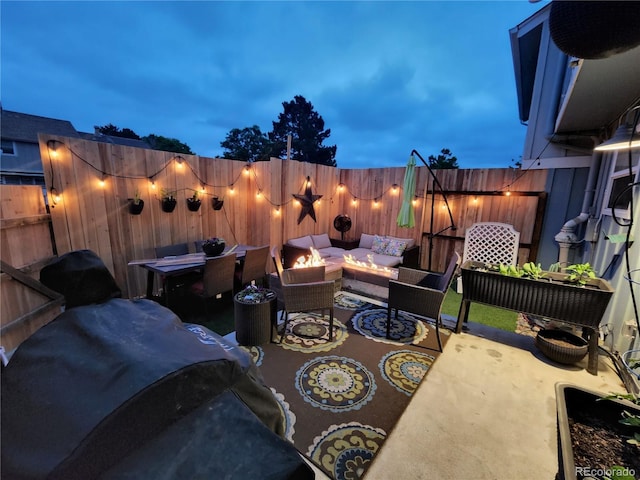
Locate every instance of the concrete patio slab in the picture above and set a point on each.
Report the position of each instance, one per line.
(487, 410)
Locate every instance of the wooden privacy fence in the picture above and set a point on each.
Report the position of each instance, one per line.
(27, 246)
(95, 182)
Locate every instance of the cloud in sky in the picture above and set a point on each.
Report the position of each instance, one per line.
(386, 77)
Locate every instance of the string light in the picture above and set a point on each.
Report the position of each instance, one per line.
(52, 145)
(247, 169)
(394, 188)
(56, 196)
(341, 187)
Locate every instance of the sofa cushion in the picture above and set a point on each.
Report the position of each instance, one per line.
(409, 241)
(394, 247)
(301, 242)
(359, 253)
(366, 241)
(386, 260)
(321, 241)
(332, 252)
(379, 244)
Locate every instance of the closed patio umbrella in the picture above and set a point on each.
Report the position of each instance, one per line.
(406, 217)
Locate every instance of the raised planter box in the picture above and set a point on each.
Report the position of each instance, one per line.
(595, 423)
(550, 297)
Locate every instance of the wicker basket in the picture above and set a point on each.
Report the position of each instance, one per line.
(254, 321)
(572, 348)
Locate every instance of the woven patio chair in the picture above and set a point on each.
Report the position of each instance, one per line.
(177, 284)
(253, 268)
(421, 293)
(217, 279)
(304, 290)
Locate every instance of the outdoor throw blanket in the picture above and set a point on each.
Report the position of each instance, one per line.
(103, 380)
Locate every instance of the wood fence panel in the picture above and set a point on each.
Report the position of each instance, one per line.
(93, 217)
(27, 246)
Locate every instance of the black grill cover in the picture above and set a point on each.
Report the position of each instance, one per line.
(100, 381)
(81, 277)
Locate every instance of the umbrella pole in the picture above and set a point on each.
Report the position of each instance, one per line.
(444, 197)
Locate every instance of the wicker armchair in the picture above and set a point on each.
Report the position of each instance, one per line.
(421, 293)
(304, 290)
(217, 279)
(254, 267)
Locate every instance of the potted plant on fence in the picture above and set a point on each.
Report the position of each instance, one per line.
(136, 204)
(212, 247)
(193, 202)
(216, 203)
(168, 200)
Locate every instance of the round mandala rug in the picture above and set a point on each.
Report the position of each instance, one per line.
(337, 384)
(346, 450)
(406, 329)
(302, 326)
(257, 353)
(288, 417)
(347, 302)
(405, 369)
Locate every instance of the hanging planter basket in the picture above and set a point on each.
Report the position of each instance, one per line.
(217, 203)
(193, 205)
(168, 204)
(136, 208)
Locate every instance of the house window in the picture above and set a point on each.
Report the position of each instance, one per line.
(8, 147)
(618, 196)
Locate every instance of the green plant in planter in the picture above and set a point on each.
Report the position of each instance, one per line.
(136, 203)
(510, 270)
(531, 270)
(580, 273)
(168, 200)
(629, 419)
(193, 202)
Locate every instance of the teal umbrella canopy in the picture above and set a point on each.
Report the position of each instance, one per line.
(406, 217)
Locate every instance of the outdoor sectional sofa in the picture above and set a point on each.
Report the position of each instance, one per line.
(385, 251)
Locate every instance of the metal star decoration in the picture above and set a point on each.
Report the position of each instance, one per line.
(307, 201)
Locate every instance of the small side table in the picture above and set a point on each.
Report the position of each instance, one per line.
(346, 244)
(254, 322)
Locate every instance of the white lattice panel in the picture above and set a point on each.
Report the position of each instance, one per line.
(491, 242)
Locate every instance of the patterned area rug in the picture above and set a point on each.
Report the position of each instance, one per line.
(342, 398)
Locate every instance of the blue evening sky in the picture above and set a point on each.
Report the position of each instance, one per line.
(387, 77)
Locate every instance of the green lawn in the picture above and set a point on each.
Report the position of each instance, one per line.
(220, 318)
(494, 317)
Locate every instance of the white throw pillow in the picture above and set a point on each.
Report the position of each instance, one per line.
(321, 241)
(366, 241)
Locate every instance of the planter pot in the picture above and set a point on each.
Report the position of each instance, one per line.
(216, 203)
(213, 250)
(254, 321)
(136, 208)
(562, 347)
(193, 205)
(168, 204)
(549, 297)
(590, 434)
